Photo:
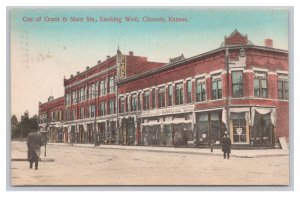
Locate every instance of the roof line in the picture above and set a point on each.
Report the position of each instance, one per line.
(173, 65)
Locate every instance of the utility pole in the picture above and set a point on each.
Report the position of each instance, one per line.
(227, 89)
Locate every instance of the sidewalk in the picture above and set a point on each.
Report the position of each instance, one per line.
(202, 151)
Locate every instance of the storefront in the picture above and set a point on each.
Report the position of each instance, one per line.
(102, 130)
(251, 126)
(160, 130)
(209, 127)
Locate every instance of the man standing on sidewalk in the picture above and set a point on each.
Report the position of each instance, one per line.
(34, 143)
(226, 145)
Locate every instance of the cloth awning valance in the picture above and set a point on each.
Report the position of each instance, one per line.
(263, 111)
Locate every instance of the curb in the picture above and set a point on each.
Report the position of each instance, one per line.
(42, 160)
(175, 151)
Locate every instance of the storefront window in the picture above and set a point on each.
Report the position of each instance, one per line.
(202, 128)
(262, 129)
(239, 127)
(237, 83)
(215, 127)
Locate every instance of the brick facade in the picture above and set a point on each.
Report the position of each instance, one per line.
(196, 112)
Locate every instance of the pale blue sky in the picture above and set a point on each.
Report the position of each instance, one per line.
(58, 49)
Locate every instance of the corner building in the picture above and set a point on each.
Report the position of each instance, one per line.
(239, 87)
(51, 119)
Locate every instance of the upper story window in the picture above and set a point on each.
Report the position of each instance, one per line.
(146, 100)
(153, 98)
(188, 91)
(111, 84)
(73, 114)
(216, 86)
(102, 109)
(81, 95)
(170, 95)
(200, 89)
(283, 86)
(92, 111)
(103, 88)
(133, 102)
(112, 106)
(93, 93)
(178, 93)
(139, 101)
(68, 99)
(74, 97)
(82, 113)
(237, 84)
(161, 97)
(260, 85)
(122, 105)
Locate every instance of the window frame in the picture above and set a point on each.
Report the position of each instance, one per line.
(240, 85)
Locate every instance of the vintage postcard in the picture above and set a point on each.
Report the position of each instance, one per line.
(149, 96)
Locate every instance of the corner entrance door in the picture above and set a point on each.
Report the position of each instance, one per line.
(262, 130)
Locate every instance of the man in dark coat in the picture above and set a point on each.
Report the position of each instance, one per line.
(226, 146)
(34, 143)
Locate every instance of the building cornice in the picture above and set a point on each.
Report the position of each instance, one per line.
(191, 59)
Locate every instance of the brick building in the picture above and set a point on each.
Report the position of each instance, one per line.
(239, 87)
(198, 98)
(90, 98)
(51, 118)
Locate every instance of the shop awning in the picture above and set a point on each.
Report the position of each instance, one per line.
(263, 111)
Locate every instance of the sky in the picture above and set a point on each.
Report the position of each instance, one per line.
(42, 53)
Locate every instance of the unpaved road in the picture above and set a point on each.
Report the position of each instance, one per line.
(96, 166)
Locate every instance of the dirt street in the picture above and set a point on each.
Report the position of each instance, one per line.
(96, 166)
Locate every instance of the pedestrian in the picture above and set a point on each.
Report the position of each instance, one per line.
(176, 140)
(34, 143)
(226, 145)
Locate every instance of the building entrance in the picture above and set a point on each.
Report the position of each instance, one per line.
(262, 130)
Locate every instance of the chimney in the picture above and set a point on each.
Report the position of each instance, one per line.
(107, 57)
(78, 72)
(99, 61)
(131, 53)
(87, 67)
(268, 42)
(71, 76)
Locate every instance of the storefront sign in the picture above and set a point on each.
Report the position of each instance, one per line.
(172, 110)
(122, 67)
(283, 143)
(239, 131)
